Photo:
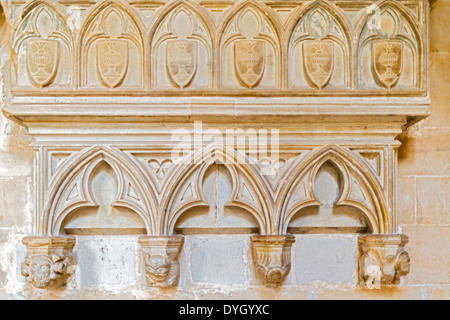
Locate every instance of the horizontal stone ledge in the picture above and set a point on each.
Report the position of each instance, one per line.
(145, 112)
(327, 230)
(216, 231)
(363, 100)
(105, 231)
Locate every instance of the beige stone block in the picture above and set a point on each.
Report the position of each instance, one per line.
(16, 164)
(387, 293)
(108, 261)
(433, 200)
(406, 200)
(217, 260)
(258, 293)
(326, 259)
(439, 26)
(437, 293)
(424, 152)
(440, 95)
(14, 201)
(430, 254)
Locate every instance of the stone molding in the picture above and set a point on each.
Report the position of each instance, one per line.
(173, 47)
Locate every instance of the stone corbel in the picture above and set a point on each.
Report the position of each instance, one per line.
(383, 259)
(272, 257)
(160, 255)
(49, 262)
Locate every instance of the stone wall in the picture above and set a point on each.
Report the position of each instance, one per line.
(424, 169)
(324, 266)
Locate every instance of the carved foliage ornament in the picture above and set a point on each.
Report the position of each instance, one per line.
(272, 257)
(383, 259)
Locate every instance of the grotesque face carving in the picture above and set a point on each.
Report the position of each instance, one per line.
(158, 267)
(40, 271)
(403, 263)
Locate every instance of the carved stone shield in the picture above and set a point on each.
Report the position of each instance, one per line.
(181, 62)
(387, 62)
(42, 61)
(250, 61)
(112, 62)
(318, 62)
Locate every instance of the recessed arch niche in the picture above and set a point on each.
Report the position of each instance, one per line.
(220, 217)
(104, 216)
(327, 215)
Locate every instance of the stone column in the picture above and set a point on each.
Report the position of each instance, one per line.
(272, 257)
(160, 255)
(383, 259)
(49, 261)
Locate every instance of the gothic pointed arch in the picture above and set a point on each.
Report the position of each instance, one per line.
(43, 26)
(112, 28)
(360, 188)
(250, 28)
(249, 191)
(402, 36)
(182, 28)
(69, 188)
(326, 5)
(319, 27)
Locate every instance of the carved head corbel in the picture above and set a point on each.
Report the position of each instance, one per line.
(160, 254)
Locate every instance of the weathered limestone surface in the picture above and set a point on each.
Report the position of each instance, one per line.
(101, 177)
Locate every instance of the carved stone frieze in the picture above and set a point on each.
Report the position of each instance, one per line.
(49, 262)
(272, 257)
(383, 259)
(160, 254)
(203, 48)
